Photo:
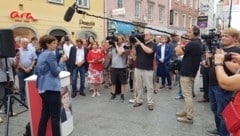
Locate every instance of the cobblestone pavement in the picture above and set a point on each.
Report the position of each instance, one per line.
(100, 117)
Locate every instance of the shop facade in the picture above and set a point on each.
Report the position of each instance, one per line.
(37, 18)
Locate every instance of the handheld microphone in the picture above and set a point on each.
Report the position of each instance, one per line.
(69, 13)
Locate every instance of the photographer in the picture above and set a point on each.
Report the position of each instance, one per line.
(228, 82)
(119, 66)
(5, 83)
(144, 68)
(219, 97)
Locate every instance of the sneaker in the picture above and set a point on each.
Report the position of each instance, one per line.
(214, 131)
(94, 94)
(132, 101)
(185, 120)
(181, 114)
(179, 97)
(113, 96)
(1, 120)
(98, 94)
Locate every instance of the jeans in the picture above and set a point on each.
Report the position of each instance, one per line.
(82, 72)
(218, 100)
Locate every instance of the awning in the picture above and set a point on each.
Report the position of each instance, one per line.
(123, 28)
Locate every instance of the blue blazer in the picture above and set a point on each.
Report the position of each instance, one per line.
(163, 68)
(47, 71)
(168, 53)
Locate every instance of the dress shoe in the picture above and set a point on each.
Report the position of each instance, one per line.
(150, 107)
(82, 94)
(136, 104)
(203, 100)
(74, 95)
(162, 86)
(214, 131)
(1, 120)
(181, 114)
(169, 87)
(185, 120)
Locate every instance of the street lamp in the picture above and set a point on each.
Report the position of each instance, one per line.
(230, 14)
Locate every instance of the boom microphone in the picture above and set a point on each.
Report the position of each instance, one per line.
(69, 13)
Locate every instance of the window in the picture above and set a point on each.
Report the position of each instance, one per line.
(137, 8)
(191, 4)
(83, 3)
(120, 3)
(184, 2)
(196, 5)
(161, 13)
(176, 19)
(150, 11)
(194, 21)
(190, 21)
(184, 20)
(56, 1)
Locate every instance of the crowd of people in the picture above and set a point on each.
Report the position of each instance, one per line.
(140, 62)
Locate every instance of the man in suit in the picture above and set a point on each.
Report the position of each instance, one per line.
(164, 54)
(78, 63)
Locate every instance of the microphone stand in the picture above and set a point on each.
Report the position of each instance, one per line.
(10, 96)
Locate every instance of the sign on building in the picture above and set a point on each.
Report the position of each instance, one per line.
(202, 21)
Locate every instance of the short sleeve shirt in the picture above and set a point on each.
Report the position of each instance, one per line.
(144, 60)
(191, 59)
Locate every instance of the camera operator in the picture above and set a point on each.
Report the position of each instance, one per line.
(5, 85)
(218, 96)
(143, 76)
(119, 66)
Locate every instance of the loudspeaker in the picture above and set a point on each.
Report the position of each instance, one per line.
(7, 48)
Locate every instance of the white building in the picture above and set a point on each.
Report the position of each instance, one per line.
(206, 8)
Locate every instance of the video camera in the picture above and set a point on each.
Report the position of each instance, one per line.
(138, 35)
(212, 40)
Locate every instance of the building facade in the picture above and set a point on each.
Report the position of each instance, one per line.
(138, 14)
(30, 18)
(183, 14)
(206, 8)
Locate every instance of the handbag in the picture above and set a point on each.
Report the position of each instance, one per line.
(231, 114)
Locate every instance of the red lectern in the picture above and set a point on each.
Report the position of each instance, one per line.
(35, 102)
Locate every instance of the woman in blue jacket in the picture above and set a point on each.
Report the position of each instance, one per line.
(48, 84)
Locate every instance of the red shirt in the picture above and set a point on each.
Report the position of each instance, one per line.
(97, 65)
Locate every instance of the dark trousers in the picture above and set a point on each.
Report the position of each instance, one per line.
(205, 78)
(51, 106)
(21, 76)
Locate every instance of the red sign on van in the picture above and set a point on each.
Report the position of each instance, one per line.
(25, 16)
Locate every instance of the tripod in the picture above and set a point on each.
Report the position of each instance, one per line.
(9, 97)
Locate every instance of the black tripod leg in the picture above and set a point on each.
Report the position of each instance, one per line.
(8, 109)
(15, 98)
